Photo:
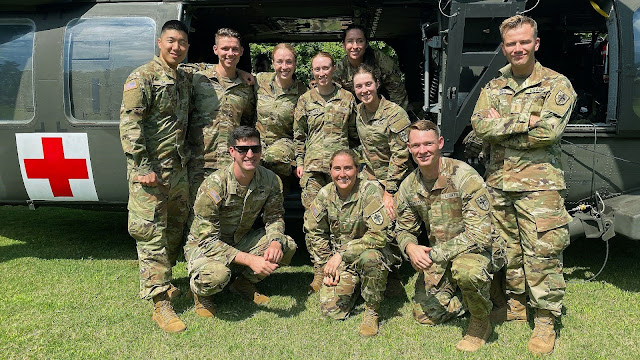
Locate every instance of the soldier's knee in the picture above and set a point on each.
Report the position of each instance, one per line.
(470, 271)
(141, 229)
(210, 278)
(371, 260)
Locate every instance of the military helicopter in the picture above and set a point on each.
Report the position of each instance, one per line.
(63, 63)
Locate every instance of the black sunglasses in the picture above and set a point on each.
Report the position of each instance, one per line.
(243, 149)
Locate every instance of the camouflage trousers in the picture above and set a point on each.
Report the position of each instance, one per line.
(196, 178)
(311, 183)
(277, 157)
(156, 220)
(534, 226)
(467, 274)
(209, 275)
(369, 273)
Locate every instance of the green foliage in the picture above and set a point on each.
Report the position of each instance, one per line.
(306, 51)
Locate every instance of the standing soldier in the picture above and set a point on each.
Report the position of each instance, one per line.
(153, 121)
(450, 198)
(221, 242)
(348, 232)
(324, 121)
(522, 114)
(221, 101)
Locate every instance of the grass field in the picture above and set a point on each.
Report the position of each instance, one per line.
(69, 289)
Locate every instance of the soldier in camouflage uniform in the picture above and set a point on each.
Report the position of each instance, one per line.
(153, 123)
(220, 101)
(522, 114)
(451, 199)
(277, 94)
(356, 45)
(323, 122)
(347, 232)
(221, 242)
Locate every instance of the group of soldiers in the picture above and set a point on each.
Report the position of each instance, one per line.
(207, 151)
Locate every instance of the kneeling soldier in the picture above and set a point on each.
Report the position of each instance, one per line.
(347, 230)
(451, 199)
(221, 241)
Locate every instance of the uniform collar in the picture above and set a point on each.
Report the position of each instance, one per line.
(384, 103)
(353, 197)
(535, 78)
(291, 90)
(315, 94)
(167, 69)
(232, 182)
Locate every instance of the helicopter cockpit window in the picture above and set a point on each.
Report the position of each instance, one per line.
(99, 55)
(16, 70)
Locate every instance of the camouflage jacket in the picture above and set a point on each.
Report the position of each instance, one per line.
(222, 218)
(523, 158)
(455, 213)
(153, 118)
(384, 143)
(348, 227)
(216, 111)
(275, 108)
(390, 77)
(321, 127)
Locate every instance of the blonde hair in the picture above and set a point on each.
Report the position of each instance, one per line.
(424, 125)
(352, 154)
(515, 22)
(284, 46)
(324, 54)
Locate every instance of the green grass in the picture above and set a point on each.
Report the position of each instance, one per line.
(69, 289)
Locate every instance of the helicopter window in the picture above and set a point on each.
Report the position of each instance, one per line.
(99, 55)
(16, 70)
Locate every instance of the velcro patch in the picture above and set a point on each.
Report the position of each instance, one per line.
(377, 218)
(130, 85)
(316, 211)
(483, 202)
(213, 194)
(560, 100)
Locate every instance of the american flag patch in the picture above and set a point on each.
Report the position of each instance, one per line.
(215, 196)
(130, 85)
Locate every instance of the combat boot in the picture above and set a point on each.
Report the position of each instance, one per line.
(318, 277)
(173, 292)
(544, 335)
(204, 306)
(394, 285)
(476, 335)
(245, 288)
(423, 319)
(369, 326)
(514, 310)
(165, 316)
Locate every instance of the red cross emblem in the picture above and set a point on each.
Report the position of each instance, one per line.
(56, 168)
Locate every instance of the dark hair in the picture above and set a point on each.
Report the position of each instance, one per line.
(368, 57)
(226, 32)
(424, 125)
(323, 54)
(354, 27)
(367, 69)
(352, 154)
(175, 25)
(242, 132)
(261, 63)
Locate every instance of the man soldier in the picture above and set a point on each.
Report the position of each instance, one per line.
(450, 198)
(221, 242)
(521, 115)
(153, 121)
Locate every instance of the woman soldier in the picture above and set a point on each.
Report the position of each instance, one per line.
(348, 232)
(356, 45)
(382, 127)
(277, 93)
(324, 121)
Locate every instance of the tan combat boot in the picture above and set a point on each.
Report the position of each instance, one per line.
(515, 310)
(318, 277)
(476, 335)
(164, 315)
(245, 288)
(544, 336)
(204, 306)
(173, 292)
(369, 326)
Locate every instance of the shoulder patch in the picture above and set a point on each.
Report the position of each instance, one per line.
(131, 85)
(560, 100)
(316, 210)
(377, 218)
(213, 194)
(483, 202)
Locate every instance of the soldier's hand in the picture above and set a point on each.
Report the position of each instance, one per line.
(331, 267)
(331, 280)
(299, 171)
(148, 180)
(472, 145)
(533, 120)
(419, 256)
(246, 77)
(493, 113)
(274, 252)
(260, 266)
(389, 204)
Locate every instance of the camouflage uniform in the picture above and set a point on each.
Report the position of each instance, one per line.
(218, 106)
(153, 122)
(320, 127)
(222, 227)
(391, 84)
(357, 228)
(275, 121)
(455, 213)
(384, 144)
(525, 177)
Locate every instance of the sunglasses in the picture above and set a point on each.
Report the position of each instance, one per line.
(243, 149)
